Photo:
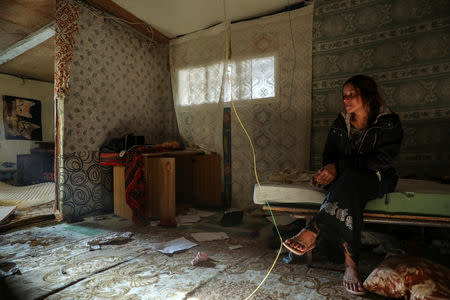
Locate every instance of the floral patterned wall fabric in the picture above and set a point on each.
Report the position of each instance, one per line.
(405, 46)
(119, 83)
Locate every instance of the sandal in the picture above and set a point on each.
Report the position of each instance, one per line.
(356, 285)
(289, 244)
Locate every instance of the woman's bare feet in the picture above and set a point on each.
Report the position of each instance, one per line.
(352, 282)
(301, 243)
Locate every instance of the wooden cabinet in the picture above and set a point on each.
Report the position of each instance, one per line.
(207, 181)
(121, 207)
(174, 180)
(160, 182)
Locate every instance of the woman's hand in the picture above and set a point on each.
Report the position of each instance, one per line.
(324, 176)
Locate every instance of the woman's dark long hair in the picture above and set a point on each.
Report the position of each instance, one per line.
(370, 95)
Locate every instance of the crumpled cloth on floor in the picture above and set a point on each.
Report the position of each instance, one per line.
(291, 176)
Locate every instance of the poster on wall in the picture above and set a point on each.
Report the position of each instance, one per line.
(22, 118)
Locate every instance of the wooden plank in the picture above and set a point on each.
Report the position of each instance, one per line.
(26, 221)
(407, 217)
(375, 217)
(37, 63)
(27, 43)
(160, 181)
(174, 153)
(28, 216)
(121, 207)
(20, 18)
(117, 11)
(207, 180)
(304, 211)
(5, 212)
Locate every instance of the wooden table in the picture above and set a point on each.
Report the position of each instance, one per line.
(183, 178)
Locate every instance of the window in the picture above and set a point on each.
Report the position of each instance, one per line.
(254, 78)
(251, 79)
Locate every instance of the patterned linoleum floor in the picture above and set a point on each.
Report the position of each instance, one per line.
(57, 262)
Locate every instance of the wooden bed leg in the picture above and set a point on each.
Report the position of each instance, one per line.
(309, 259)
(309, 254)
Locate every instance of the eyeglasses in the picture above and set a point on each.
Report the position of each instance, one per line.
(349, 96)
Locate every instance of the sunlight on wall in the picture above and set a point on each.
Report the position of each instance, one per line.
(256, 82)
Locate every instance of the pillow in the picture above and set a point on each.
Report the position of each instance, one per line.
(401, 276)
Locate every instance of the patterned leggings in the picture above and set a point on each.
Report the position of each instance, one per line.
(340, 218)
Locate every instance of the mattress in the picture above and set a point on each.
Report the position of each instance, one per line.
(26, 196)
(418, 197)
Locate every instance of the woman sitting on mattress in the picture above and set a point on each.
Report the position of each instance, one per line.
(357, 167)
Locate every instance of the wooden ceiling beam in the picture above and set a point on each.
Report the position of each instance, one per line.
(117, 11)
(28, 42)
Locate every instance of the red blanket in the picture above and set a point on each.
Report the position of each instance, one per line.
(111, 159)
(136, 193)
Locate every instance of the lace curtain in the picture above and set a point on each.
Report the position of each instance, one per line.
(275, 109)
(197, 67)
(274, 106)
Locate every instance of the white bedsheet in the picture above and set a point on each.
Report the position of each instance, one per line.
(287, 193)
(305, 194)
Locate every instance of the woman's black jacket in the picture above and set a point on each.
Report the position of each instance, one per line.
(380, 145)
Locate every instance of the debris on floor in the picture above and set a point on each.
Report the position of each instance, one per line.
(8, 268)
(187, 219)
(234, 247)
(201, 256)
(100, 217)
(173, 246)
(117, 238)
(232, 218)
(202, 213)
(382, 243)
(94, 247)
(192, 216)
(209, 236)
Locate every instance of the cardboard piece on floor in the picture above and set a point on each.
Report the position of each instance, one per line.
(202, 213)
(6, 211)
(209, 236)
(187, 219)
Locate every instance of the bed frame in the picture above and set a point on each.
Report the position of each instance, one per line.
(369, 217)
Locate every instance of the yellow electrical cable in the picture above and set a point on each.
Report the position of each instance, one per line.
(228, 56)
(260, 187)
